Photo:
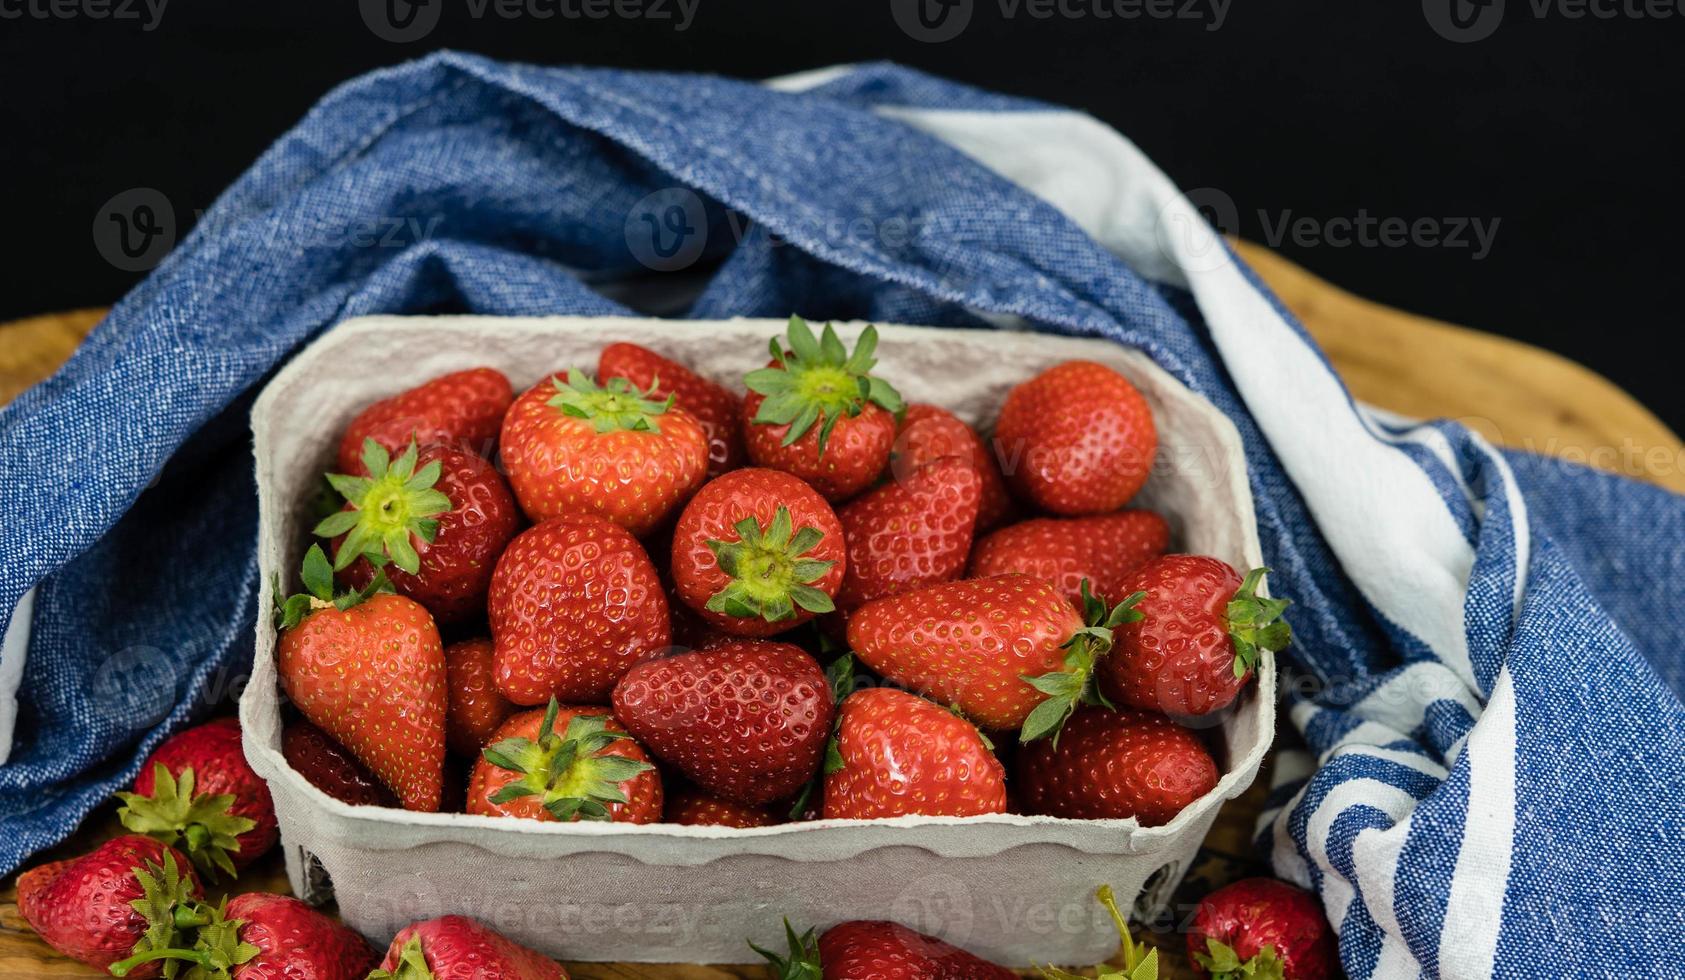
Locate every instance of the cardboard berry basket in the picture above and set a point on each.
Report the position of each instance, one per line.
(1014, 889)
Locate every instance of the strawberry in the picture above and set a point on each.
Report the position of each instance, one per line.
(929, 433)
(747, 720)
(573, 446)
(259, 936)
(120, 899)
(1262, 928)
(588, 770)
(693, 807)
(909, 532)
(715, 408)
(367, 668)
(1009, 651)
(816, 411)
(475, 707)
(1108, 765)
(574, 604)
(461, 409)
(197, 792)
(330, 766)
(757, 552)
(1076, 439)
(435, 520)
(1139, 962)
(875, 950)
(1195, 637)
(454, 947)
(1064, 551)
(898, 754)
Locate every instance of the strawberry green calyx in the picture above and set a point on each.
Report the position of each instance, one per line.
(389, 505)
(1139, 962)
(1223, 963)
(198, 824)
(1074, 684)
(1255, 623)
(216, 952)
(412, 964)
(167, 905)
(569, 772)
(615, 406)
(819, 380)
(769, 575)
(802, 960)
(317, 576)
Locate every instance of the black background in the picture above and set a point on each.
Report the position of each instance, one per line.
(1564, 130)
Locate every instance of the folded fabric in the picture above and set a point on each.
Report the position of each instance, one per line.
(1499, 781)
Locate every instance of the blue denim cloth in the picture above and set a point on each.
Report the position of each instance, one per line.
(129, 501)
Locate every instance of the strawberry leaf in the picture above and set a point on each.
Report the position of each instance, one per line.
(202, 826)
(569, 772)
(802, 960)
(818, 382)
(412, 964)
(769, 573)
(387, 507)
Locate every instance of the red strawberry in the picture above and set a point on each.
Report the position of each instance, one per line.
(476, 707)
(715, 408)
(259, 936)
(587, 769)
(1139, 962)
(119, 899)
(909, 532)
(695, 808)
(747, 720)
(758, 551)
(197, 792)
(1064, 551)
(1261, 927)
(461, 409)
(434, 520)
(1076, 439)
(897, 754)
(1009, 651)
(929, 433)
(572, 446)
(457, 948)
(872, 950)
(1108, 765)
(368, 669)
(817, 412)
(1195, 638)
(574, 604)
(330, 766)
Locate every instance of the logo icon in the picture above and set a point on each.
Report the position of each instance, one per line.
(931, 21)
(135, 229)
(1463, 21)
(667, 230)
(1185, 236)
(400, 21)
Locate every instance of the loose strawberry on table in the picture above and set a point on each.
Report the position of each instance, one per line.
(575, 763)
(574, 603)
(817, 411)
(259, 936)
(693, 807)
(1109, 765)
(197, 792)
(455, 947)
(330, 766)
(929, 433)
(876, 950)
(573, 446)
(119, 899)
(475, 707)
(897, 754)
(462, 409)
(1262, 928)
(1063, 551)
(1076, 439)
(910, 532)
(715, 408)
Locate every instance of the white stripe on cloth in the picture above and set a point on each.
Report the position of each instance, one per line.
(1468, 941)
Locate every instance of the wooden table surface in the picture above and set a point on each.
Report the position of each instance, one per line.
(1517, 395)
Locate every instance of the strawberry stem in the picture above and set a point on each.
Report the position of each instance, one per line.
(389, 506)
(818, 381)
(569, 772)
(203, 826)
(1073, 684)
(769, 575)
(616, 406)
(1255, 623)
(802, 960)
(317, 575)
(412, 964)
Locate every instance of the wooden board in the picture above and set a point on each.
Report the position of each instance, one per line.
(1516, 394)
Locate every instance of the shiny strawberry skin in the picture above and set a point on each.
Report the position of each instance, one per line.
(1179, 658)
(296, 942)
(747, 720)
(559, 464)
(475, 706)
(711, 515)
(969, 643)
(1115, 764)
(80, 906)
(865, 950)
(695, 808)
(929, 433)
(373, 677)
(330, 766)
(715, 408)
(459, 948)
(1076, 439)
(574, 603)
(219, 766)
(643, 792)
(909, 532)
(904, 755)
(1063, 551)
(1253, 913)
(856, 454)
(463, 409)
